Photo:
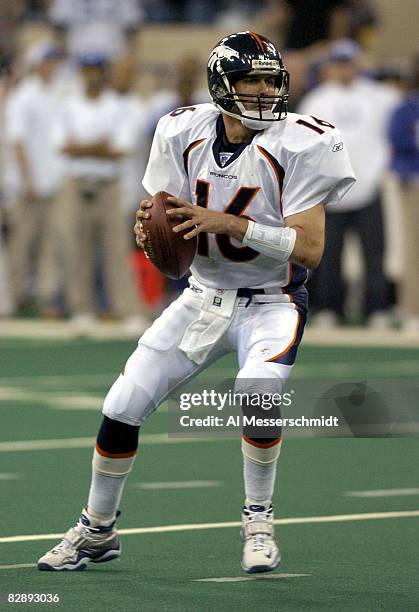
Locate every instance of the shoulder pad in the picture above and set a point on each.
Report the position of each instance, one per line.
(299, 133)
(186, 119)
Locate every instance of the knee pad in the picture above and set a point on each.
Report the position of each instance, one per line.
(260, 387)
(116, 438)
(116, 448)
(262, 451)
(127, 402)
(268, 373)
(261, 409)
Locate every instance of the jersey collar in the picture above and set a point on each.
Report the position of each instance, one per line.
(218, 147)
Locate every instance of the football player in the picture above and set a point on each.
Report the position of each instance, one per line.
(251, 181)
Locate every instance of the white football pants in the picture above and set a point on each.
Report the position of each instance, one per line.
(262, 334)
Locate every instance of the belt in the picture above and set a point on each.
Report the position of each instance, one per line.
(248, 293)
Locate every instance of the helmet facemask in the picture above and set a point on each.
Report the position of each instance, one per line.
(255, 111)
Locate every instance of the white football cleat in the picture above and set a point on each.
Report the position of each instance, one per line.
(89, 541)
(260, 551)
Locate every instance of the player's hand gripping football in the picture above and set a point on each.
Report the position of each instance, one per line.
(199, 219)
(142, 213)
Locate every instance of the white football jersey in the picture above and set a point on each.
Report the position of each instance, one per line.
(285, 169)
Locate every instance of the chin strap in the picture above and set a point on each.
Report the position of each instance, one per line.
(255, 124)
(250, 123)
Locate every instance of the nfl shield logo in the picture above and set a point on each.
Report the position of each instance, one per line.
(224, 157)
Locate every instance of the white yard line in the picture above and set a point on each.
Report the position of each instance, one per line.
(402, 429)
(364, 369)
(300, 520)
(247, 578)
(57, 402)
(66, 443)
(382, 492)
(49, 380)
(10, 476)
(360, 336)
(327, 371)
(56, 444)
(17, 566)
(346, 336)
(59, 330)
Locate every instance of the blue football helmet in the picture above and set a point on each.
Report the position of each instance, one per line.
(243, 54)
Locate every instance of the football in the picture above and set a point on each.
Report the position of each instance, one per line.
(167, 250)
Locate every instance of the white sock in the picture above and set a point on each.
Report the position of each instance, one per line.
(259, 482)
(105, 495)
(109, 473)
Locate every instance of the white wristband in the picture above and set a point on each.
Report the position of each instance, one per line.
(275, 242)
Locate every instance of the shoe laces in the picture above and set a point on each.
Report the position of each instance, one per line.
(74, 537)
(92, 534)
(65, 546)
(259, 540)
(262, 514)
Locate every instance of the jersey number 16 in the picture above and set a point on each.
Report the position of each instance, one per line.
(237, 206)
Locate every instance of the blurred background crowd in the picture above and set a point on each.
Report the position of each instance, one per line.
(82, 86)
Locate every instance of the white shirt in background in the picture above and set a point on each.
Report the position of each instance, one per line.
(361, 112)
(86, 121)
(96, 24)
(134, 122)
(32, 119)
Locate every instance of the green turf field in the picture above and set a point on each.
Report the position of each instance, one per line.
(363, 555)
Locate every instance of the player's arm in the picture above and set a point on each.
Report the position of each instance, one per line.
(300, 241)
(309, 243)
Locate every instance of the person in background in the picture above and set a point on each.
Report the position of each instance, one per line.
(404, 139)
(7, 82)
(100, 25)
(31, 123)
(186, 91)
(12, 15)
(311, 22)
(273, 18)
(181, 11)
(134, 113)
(5, 298)
(364, 22)
(299, 68)
(150, 283)
(95, 140)
(360, 108)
